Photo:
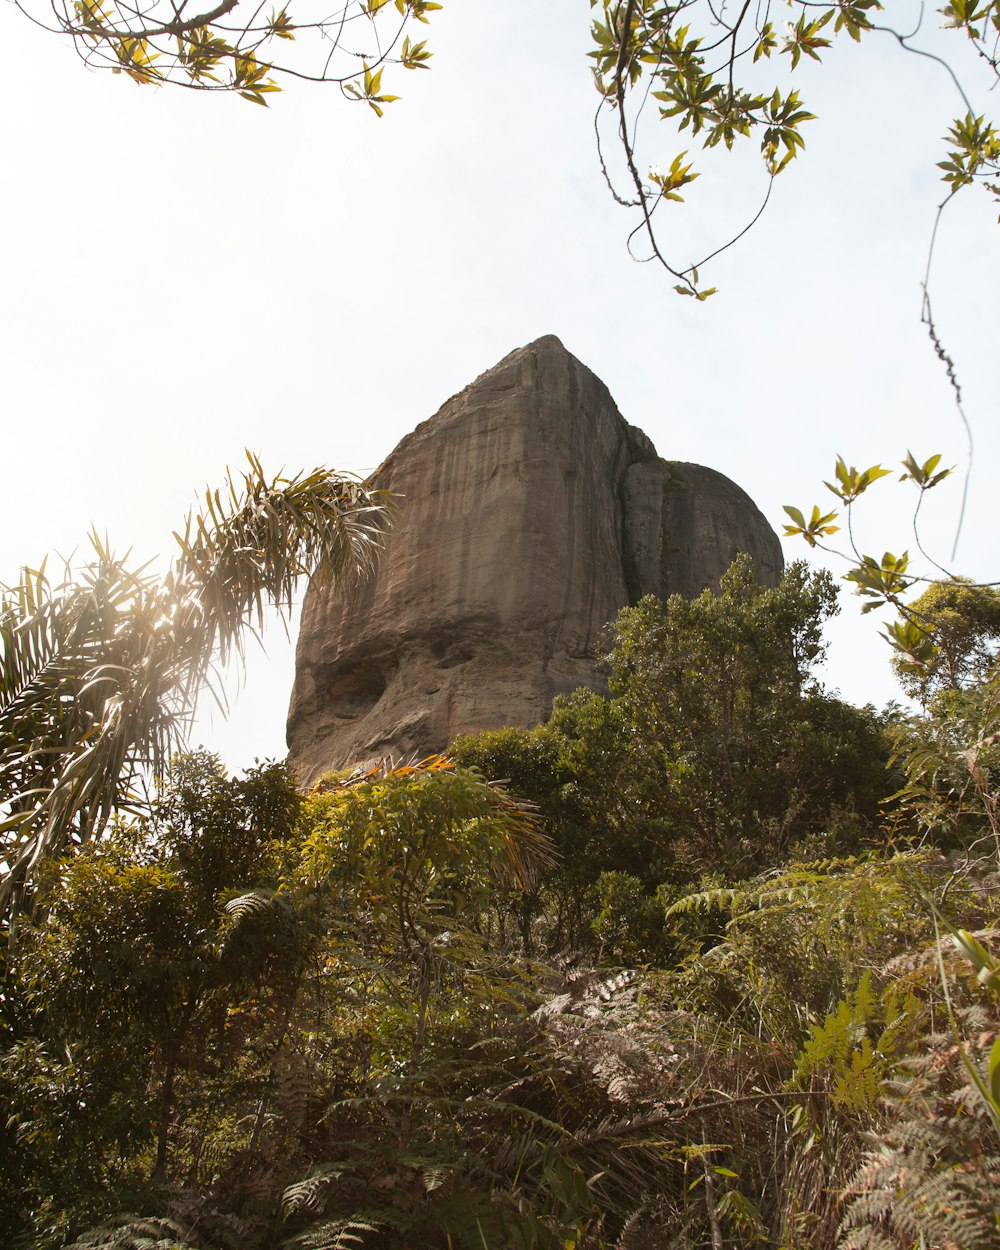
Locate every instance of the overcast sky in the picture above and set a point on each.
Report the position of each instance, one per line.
(186, 275)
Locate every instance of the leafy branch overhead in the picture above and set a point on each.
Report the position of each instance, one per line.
(720, 75)
(238, 47)
(879, 581)
(945, 637)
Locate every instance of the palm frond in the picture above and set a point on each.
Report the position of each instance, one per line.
(100, 672)
(247, 549)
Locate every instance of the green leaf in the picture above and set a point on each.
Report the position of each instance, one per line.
(994, 1072)
(818, 526)
(796, 515)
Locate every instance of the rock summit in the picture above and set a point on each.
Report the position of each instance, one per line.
(530, 512)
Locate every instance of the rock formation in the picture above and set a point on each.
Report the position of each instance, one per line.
(529, 513)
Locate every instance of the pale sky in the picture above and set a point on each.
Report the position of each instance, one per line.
(186, 275)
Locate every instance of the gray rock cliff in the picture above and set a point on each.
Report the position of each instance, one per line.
(529, 513)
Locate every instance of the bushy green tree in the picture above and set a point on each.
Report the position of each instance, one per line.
(716, 748)
(729, 740)
(410, 859)
(119, 991)
(536, 763)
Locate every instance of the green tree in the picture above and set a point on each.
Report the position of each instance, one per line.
(415, 852)
(219, 831)
(532, 763)
(181, 1023)
(576, 770)
(716, 750)
(944, 651)
(128, 987)
(100, 671)
(728, 750)
(962, 622)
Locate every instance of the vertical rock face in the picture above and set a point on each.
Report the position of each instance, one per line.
(529, 513)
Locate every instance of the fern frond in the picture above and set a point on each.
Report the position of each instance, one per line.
(307, 1194)
(128, 1232)
(931, 1177)
(347, 1234)
(705, 900)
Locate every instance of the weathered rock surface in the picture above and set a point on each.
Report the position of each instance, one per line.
(530, 512)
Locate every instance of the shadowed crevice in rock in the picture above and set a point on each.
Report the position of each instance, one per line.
(529, 513)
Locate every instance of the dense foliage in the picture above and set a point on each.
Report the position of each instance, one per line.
(716, 749)
(394, 1013)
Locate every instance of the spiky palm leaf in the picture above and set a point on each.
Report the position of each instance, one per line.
(100, 672)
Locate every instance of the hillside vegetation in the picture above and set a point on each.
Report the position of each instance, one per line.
(711, 968)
